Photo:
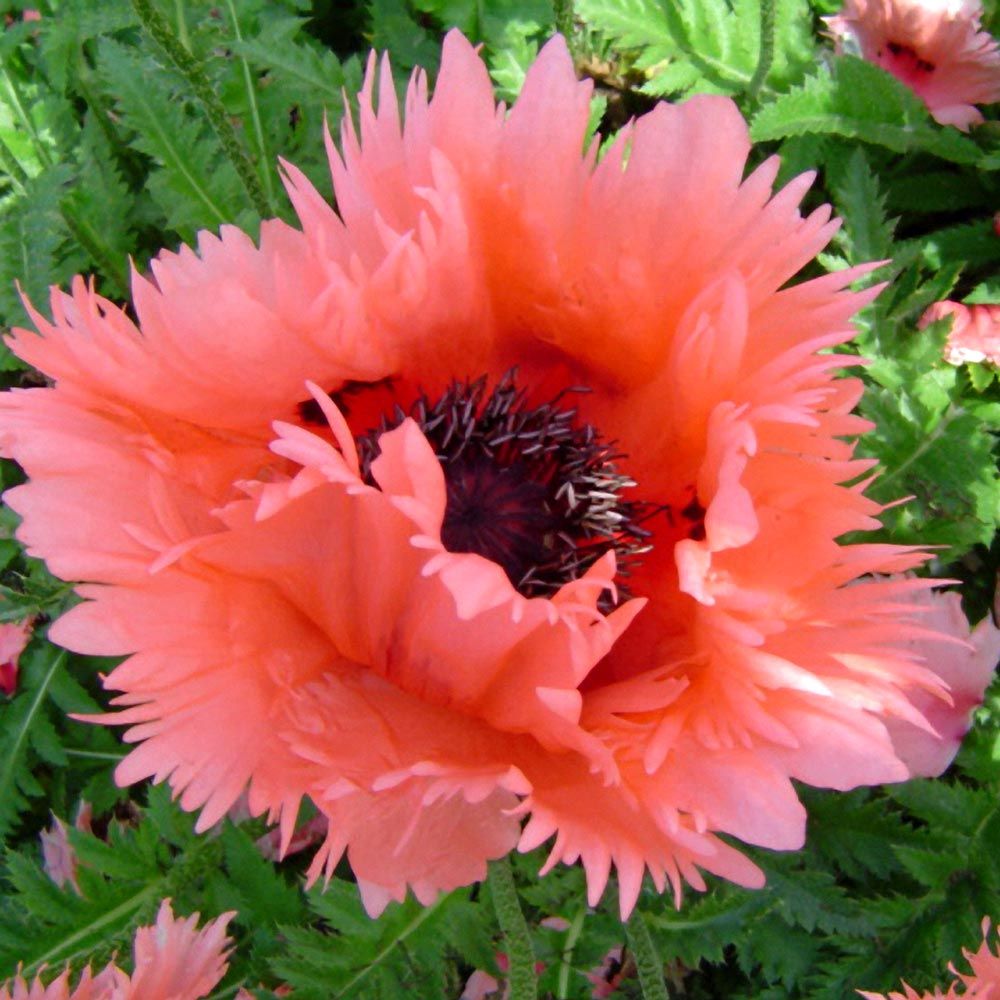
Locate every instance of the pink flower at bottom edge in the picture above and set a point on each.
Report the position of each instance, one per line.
(983, 982)
(173, 960)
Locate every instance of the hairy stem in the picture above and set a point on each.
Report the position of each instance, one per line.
(766, 56)
(523, 985)
(17, 103)
(260, 137)
(647, 961)
(565, 19)
(566, 958)
(193, 71)
(12, 167)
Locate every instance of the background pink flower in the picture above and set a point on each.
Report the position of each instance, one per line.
(966, 665)
(982, 982)
(14, 637)
(936, 47)
(974, 335)
(59, 858)
(172, 960)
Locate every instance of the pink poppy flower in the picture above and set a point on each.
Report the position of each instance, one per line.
(172, 960)
(966, 664)
(338, 499)
(60, 859)
(974, 334)
(983, 981)
(481, 985)
(607, 977)
(936, 47)
(14, 637)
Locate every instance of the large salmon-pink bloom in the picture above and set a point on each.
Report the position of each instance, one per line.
(936, 47)
(172, 960)
(358, 503)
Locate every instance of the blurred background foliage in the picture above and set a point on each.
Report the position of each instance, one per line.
(129, 126)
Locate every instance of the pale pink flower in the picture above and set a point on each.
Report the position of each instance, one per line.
(172, 960)
(936, 47)
(14, 637)
(966, 664)
(481, 985)
(59, 858)
(607, 977)
(974, 335)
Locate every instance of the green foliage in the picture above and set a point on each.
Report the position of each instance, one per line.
(107, 149)
(867, 234)
(711, 46)
(411, 947)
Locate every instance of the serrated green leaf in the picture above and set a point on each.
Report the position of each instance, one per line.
(267, 897)
(33, 237)
(287, 51)
(930, 867)
(195, 185)
(946, 462)
(857, 100)
(362, 958)
(18, 721)
(859, 201)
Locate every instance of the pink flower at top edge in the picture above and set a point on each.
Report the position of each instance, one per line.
(307, 496)
(14, 637)
(983, 981)
(172, 960)
(974, 335)
(936, 47)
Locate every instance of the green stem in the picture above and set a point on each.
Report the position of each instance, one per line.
(64, 948)
(18, 106)
(766, 56)
(521, 976)
(423, 914)
(566, 958)
(91, 241)
(13, 169)
(182, 29)
(94, 754)
(647, 961)
(14, 749)
(192, 71)
(264, 154)
(565, 19)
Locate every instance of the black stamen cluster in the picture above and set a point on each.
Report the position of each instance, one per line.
(530, 488)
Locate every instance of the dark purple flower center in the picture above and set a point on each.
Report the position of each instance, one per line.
(531, 488)
(906, 59)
